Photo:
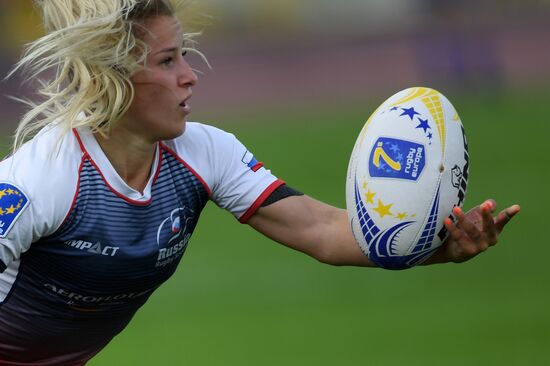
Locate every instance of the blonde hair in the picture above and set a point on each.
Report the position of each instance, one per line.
(94, 48)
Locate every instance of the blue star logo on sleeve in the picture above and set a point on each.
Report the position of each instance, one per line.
(409, 112)
(12, 203)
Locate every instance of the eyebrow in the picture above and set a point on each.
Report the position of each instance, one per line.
(168, 50)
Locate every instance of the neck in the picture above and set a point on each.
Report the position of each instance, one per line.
(131, 157)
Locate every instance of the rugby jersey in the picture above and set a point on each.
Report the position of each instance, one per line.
(81, 251)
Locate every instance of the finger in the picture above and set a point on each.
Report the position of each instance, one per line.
(468, 226)
(454, 242)
(492, 203)
(489, 227)
(505, 216)
(454, 232)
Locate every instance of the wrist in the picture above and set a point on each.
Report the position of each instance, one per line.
(438, 257)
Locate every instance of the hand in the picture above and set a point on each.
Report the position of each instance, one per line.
(474, 232)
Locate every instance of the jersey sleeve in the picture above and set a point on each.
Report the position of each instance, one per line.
(35, 195)
(16, 231)
(243, 182)
(238, 182)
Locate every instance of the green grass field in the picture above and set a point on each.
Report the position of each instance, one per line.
(239, 299)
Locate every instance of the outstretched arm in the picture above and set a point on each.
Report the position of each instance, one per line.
(323, 232)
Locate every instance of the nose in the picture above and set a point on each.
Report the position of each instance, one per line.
(187, 77)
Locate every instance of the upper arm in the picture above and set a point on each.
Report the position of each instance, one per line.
(312, 227)
(36, 193)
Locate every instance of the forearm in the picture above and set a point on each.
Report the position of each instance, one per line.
(312, 227)
(340, 246)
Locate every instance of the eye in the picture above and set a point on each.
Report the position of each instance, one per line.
(167, 61)
(183, 53)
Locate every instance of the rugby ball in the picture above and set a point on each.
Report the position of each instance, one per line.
(408, 169)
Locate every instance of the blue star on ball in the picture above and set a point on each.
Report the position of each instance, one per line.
(409, 112)
(423, 124)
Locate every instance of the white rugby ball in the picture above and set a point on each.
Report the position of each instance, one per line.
(408, 169)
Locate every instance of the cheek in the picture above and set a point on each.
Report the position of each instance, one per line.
(152, 98)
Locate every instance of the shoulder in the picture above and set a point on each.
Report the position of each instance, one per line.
(202, 149)
(201, 137)
(205, 148)
(45, 171)
(238, 181)
(48, 157)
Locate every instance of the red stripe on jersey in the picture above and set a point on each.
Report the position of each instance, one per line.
(127, 199)
(256, 205)
(180, 159)
(159, 166)
(80, 142)
(84, 157)
(257, 167)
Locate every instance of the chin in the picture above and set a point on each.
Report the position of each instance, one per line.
(182, 128)
(176, 132)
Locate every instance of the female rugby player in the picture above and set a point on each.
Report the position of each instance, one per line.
(108, 179)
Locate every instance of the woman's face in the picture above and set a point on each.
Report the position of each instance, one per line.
(162, 90)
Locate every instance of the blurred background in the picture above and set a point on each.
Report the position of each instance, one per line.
(295, 80)
(319, 51)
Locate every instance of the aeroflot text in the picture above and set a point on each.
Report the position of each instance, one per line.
(93, 299)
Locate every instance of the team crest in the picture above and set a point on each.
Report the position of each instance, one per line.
(12, 203)
(173, 235)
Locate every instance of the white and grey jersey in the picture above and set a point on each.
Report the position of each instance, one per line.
(81, 251)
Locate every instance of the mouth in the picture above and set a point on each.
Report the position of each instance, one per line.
(184, 106)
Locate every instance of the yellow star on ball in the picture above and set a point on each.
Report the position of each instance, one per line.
(383, 210)
(370, 196)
